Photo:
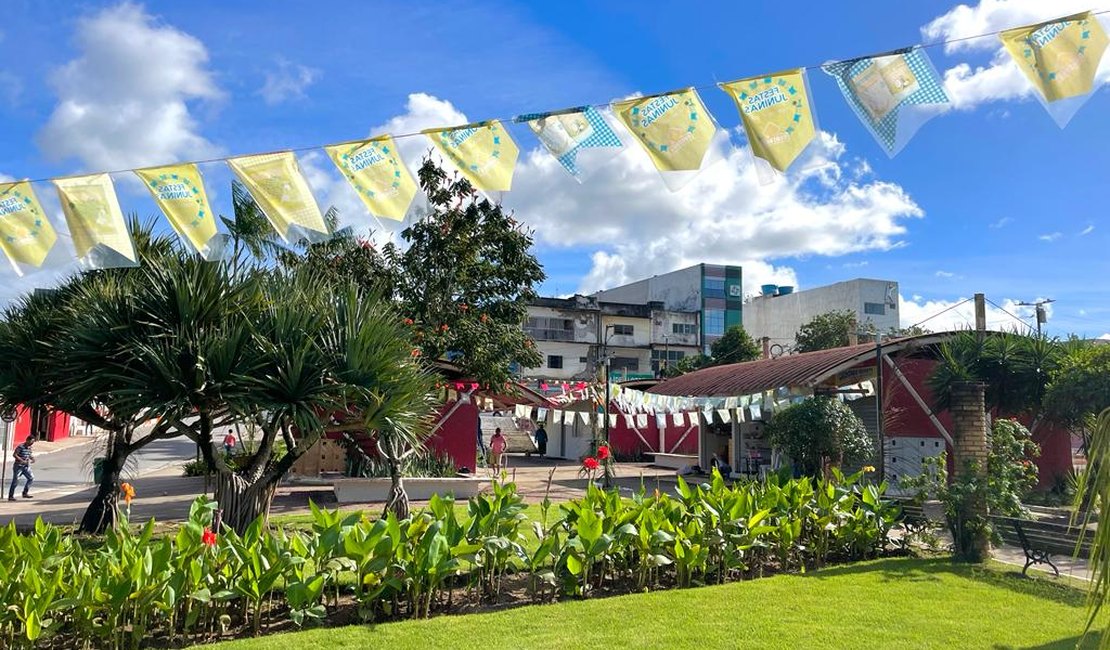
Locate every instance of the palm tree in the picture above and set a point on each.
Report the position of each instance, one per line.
(1094, 488)
(38, 338)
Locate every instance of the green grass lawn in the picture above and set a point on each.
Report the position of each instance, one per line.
(894, 603)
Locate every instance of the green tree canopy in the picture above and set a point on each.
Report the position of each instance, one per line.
(734, 347)
(818, 432)
(1079, 386)
(825, 331)
(462, 278)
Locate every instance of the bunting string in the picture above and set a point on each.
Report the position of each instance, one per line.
(892, 93)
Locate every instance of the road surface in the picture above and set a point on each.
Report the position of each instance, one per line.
(69, 469)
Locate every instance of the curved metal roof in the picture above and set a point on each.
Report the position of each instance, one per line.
(794, 371)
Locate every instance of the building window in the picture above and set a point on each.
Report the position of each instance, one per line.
(583, 360)
(544, 328)
(714, 288)
(624, 363)
(714, 322)
(622, 330)
(554, 361)
(875, 308)
(684, 328)
(671, 357)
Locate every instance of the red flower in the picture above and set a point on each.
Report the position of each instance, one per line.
(463, 306)
(443, 327)
(603, 452)
(590, 463)
(415, 352)
(408, 321)
(208, 538)
(485, 318)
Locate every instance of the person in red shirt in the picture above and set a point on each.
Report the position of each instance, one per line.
(229, 443)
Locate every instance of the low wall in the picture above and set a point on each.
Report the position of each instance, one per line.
(372, 490)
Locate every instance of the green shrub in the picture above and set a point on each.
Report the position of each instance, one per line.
(818, 432)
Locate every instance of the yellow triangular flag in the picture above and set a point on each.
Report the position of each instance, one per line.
(179, 192)
(94, 217)
(776, 113)
(484, 152)
(1060, 57)
(277, 184)
(674, 128)
(25, 233)
(375, 169)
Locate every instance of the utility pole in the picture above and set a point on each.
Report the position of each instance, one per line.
(1039, 310)
(980, 313)
(607, 480)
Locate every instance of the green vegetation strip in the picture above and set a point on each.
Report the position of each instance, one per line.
(894, 603)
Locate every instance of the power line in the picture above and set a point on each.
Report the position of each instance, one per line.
(1012, 315)
(510, 119)
(947, 309)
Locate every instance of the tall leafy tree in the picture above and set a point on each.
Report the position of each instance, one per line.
(1079, 386)
(466, 278)
(735, 346)
(825, 331)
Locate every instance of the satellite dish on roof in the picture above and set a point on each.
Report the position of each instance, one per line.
(777, 350)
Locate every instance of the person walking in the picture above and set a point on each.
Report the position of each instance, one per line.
(541, 441)
(229, 443)
(497, 445)
(22, 467)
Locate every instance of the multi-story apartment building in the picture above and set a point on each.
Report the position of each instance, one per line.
(714, 292)
(575, 335)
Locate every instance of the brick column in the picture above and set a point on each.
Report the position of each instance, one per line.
(969, 425)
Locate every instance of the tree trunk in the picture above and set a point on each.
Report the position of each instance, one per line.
(398, 502)
(101, 513)
(243, 502)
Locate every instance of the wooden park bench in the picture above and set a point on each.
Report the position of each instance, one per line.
(1040, 540)
(914, 520)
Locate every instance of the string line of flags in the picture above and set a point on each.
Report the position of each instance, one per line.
(893, 94)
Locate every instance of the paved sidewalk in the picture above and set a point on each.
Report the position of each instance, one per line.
(1069, 566)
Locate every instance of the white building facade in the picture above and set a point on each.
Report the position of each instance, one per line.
(778, 317)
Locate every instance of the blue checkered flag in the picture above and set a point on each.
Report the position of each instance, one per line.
(893, 94)
(581, 139)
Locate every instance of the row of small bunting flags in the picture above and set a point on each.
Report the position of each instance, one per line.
(893, 94)
(637, 405)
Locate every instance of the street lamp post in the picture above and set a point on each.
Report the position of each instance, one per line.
(606, 478)
(8, 416)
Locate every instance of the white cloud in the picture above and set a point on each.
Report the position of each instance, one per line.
(945, 274)
(125, 100)
(1088, 230)
(1001, 223)
(1051, 237)
(854, 265)
(288, 81)
(635, 227)
(945, 315)
(1000, 80)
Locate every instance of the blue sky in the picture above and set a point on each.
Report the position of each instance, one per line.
(990, 197)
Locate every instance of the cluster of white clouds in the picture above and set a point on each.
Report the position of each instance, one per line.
(947, 315)
(999, 80)
(116, 110)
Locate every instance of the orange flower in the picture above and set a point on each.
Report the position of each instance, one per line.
(127, 491)
(463, 306)
(415, 352)
(408, 321)
(443, 327)
(485, 318)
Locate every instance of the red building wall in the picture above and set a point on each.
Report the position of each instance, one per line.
(57, 425)
(625, 440)
(457, 435)
(903, 417)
